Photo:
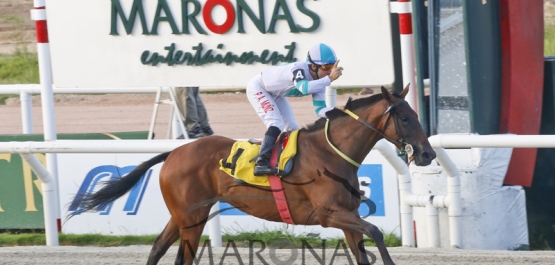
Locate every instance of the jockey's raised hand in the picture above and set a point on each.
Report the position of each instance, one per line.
(336, 71)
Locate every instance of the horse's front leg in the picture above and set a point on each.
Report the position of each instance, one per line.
(351, 222)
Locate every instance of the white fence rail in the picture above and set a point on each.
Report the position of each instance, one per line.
(36, 89)
(452, 201)
(26, 149)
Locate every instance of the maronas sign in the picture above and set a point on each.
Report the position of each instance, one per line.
(153, 43)
(191, 9)
(164, 13)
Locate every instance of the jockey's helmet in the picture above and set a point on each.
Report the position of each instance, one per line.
(321, 54)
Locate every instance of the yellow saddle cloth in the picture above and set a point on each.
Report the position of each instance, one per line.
(238, 164)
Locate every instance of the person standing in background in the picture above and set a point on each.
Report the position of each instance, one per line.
(191, 106)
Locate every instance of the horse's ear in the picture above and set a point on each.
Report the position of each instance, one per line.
(405, 91)
(386, 95)
(348, 104)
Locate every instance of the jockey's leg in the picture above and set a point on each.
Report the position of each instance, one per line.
(262, 166)
(287, 115)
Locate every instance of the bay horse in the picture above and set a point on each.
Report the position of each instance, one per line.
(191, 181)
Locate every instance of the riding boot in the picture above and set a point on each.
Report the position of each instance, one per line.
(262, 166)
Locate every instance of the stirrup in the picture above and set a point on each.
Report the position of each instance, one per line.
(260, 171)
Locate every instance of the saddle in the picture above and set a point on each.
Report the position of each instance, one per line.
(241, 160)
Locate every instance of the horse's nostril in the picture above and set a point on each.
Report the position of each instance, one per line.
(429, 156)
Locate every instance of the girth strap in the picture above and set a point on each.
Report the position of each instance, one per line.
(278, 191)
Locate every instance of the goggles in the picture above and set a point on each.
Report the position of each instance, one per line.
(326, 67)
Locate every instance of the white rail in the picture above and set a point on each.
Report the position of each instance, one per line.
(452, 200)
(36, 89)
(498, 140)
(93, 146)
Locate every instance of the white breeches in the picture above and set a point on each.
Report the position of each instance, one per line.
(274, 111)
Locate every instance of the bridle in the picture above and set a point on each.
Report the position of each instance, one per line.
(405, 147)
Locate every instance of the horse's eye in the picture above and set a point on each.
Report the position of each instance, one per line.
(404, 118)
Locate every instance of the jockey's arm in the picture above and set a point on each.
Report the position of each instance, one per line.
(319, 102)
(309, 87)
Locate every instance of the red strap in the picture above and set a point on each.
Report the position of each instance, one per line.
(277, 188)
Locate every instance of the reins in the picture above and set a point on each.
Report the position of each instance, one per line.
(407, 148)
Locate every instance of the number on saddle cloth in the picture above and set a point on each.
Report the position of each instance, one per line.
(238, 164)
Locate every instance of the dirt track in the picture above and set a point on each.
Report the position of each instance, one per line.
(230, 114)
(139, 255)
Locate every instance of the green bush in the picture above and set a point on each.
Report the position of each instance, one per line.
(19, 68)
(270, 238)
(549, 39)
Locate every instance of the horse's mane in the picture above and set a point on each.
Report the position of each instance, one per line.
(351, 105)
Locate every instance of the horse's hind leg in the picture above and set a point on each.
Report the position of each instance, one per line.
(168, 236)
(191, 224)
(356, 244)
(190, 238)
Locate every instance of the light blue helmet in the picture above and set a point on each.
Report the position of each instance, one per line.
(321, 54)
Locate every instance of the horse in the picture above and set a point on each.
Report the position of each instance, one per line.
(322, 189)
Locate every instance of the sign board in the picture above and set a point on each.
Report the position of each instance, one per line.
(20, 194)
(20, 189)
(212, 43)
(143, 211)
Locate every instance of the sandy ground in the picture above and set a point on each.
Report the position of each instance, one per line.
(139, 255)
(230, 114)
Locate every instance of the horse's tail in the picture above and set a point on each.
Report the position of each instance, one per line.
(112, 190)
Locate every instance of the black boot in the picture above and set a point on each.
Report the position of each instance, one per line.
(262, 166)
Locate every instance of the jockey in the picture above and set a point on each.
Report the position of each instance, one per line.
(268, 90)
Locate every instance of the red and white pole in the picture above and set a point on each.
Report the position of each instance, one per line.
(51, 198)
(404, 9)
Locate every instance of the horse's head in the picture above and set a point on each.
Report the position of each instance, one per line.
(406, 131)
